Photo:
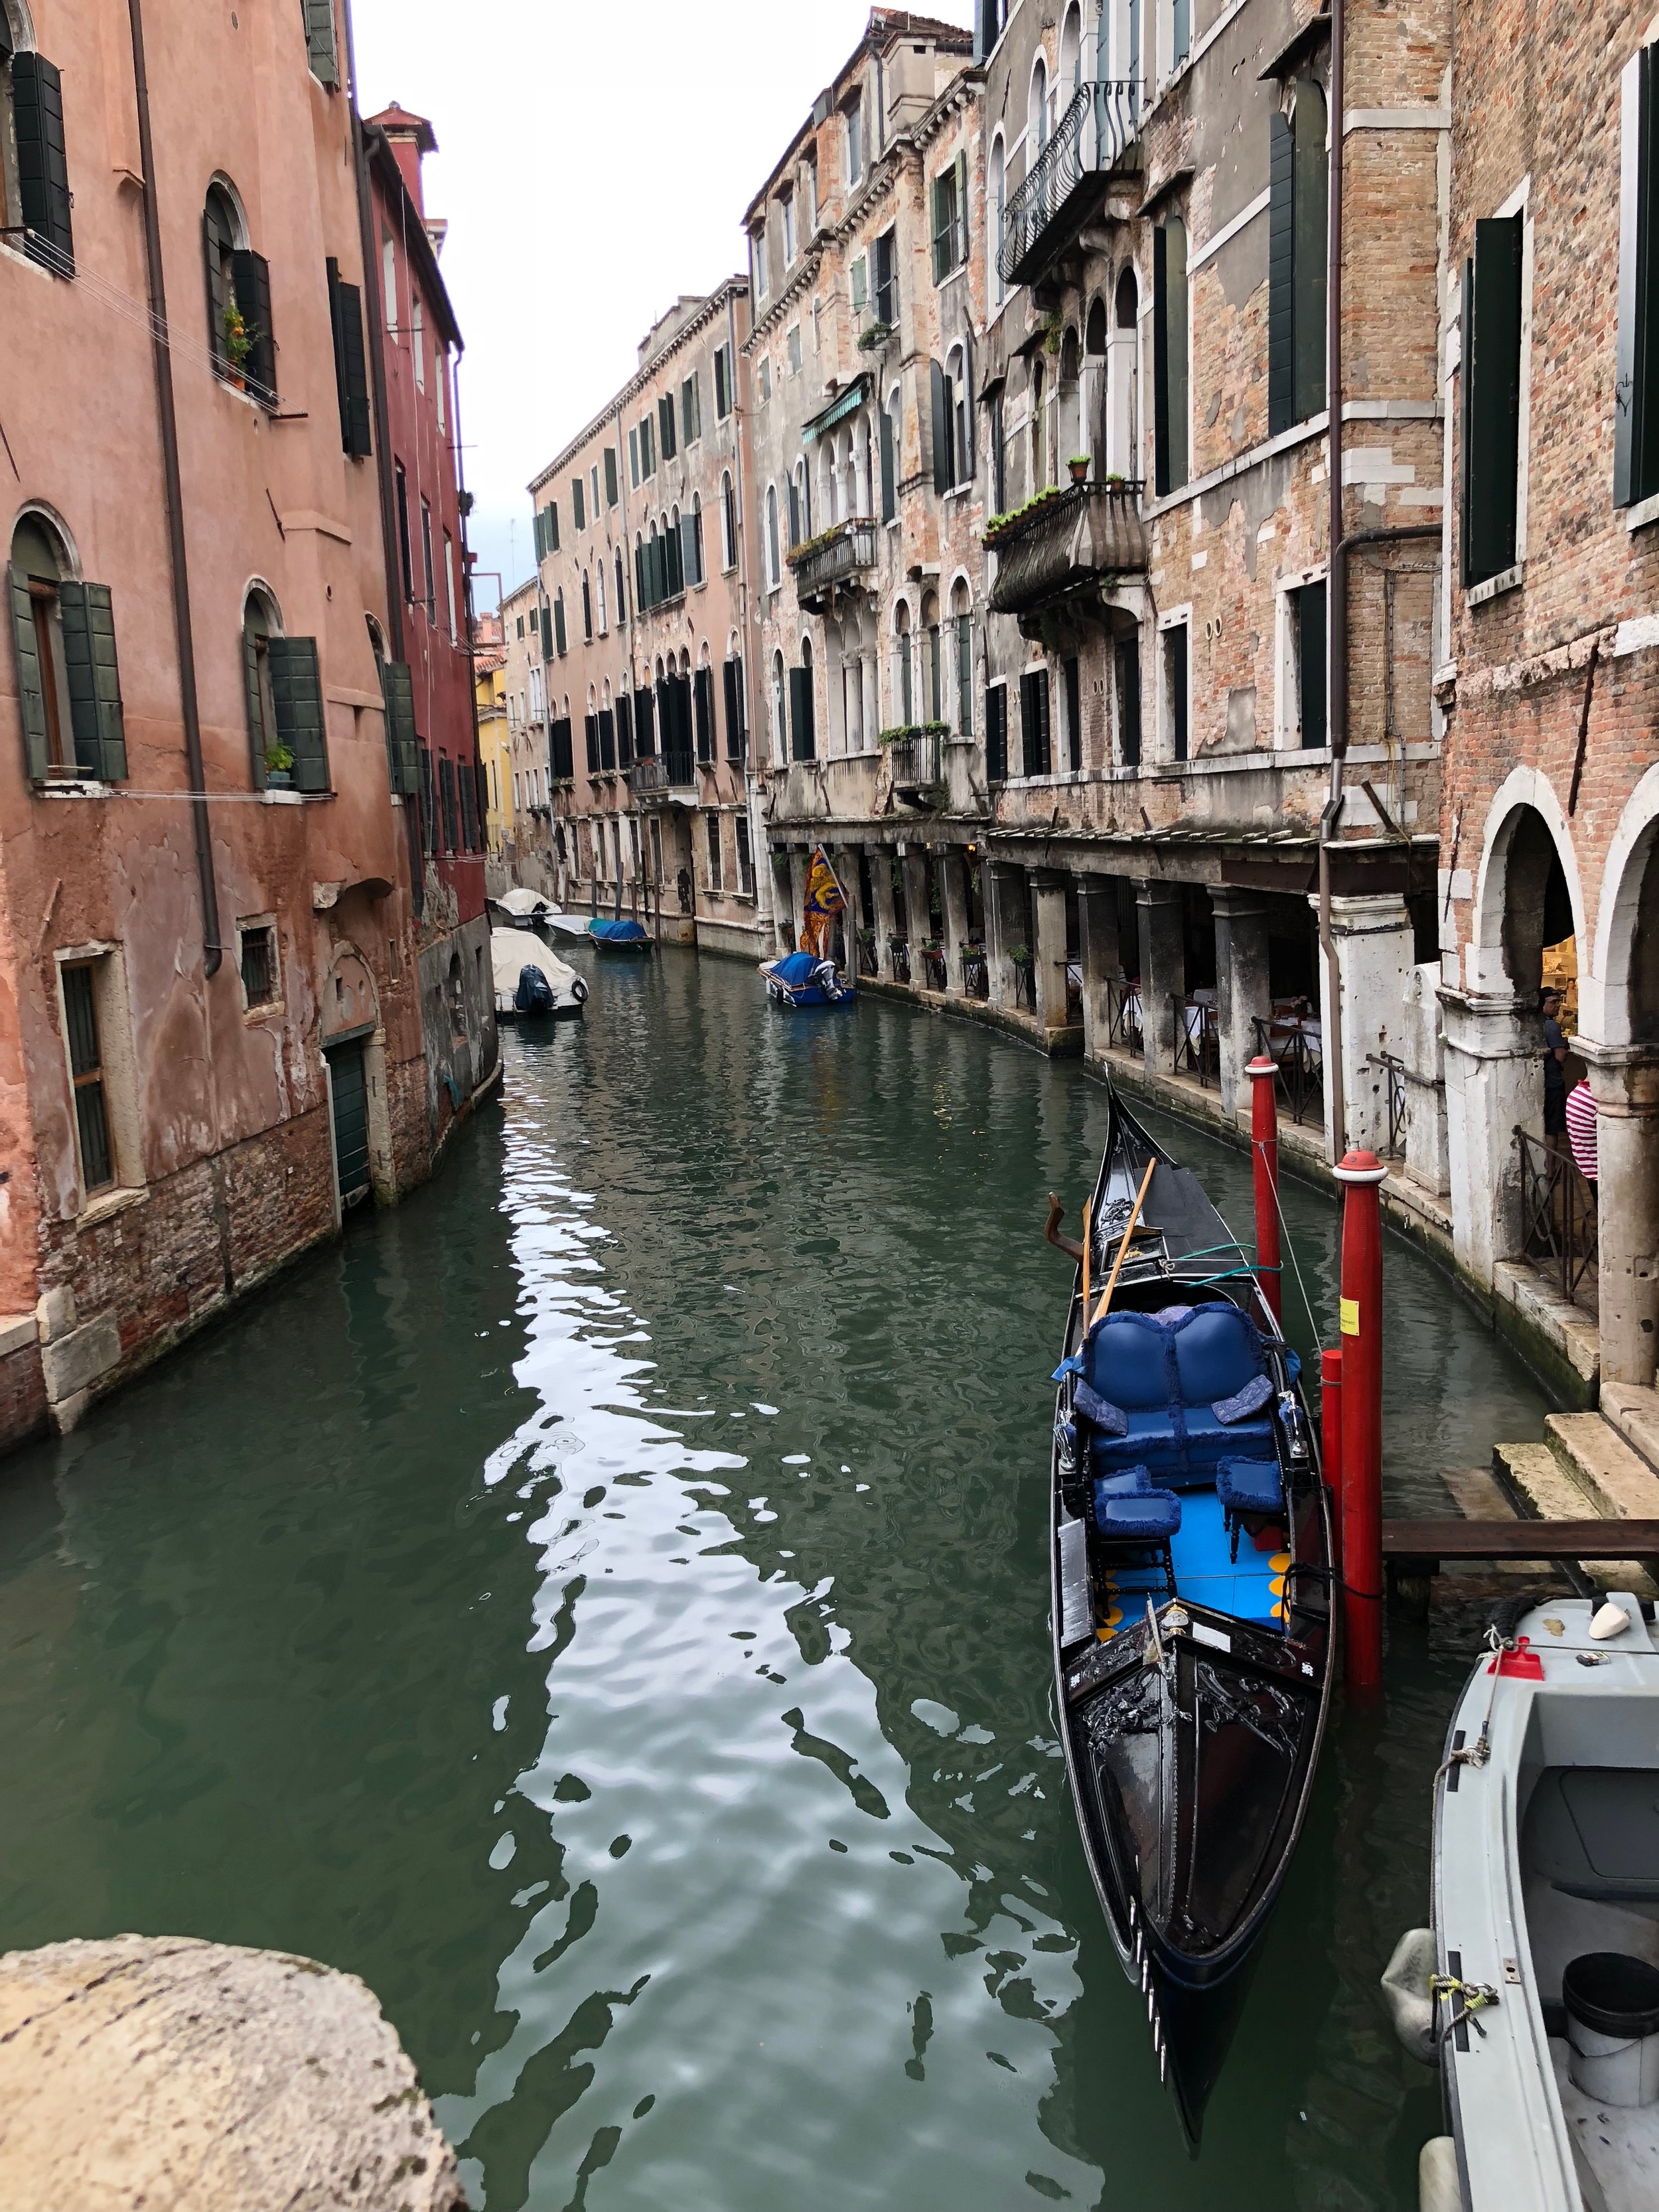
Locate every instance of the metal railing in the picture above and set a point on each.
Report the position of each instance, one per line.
(1298, 1060)
(898, 959)
(1089, 140)
(1071, 537)
(1558, 1220)
(1024, 982)
(1196, 1031)
(1396, 1099)
(935, 976)
(672, 771)
(975, 972)
(916, 761)
(869, 959)
(1123, 1027)
(835, 558)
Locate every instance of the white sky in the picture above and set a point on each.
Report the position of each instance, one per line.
(595, 159)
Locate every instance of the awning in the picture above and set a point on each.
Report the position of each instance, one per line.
(843, 404)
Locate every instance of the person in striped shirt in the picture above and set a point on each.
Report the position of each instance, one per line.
(1581, 1130)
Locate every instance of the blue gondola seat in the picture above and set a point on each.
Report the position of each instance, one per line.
(1140, 1522)
(1167, 1378)
(1249, 1489)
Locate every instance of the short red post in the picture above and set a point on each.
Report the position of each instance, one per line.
(1264, 1154)
(1330, 1438)
(1360, 1174)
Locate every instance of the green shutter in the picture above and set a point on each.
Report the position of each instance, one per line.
(547, 633)
(93, 677)
(1311, 196)
(1492, 399)
(1281, 277)
(558, 625)
(250, 281)
(402, 745)
(258, 736)
(1635, 450)
(37, 98)
(962, 207)
(345, 306)
(297, 688)
(940, 392)
(888, 470)
(941, 224)
(802, 737)
(1311, 661)
(31, 689)
(610, 487)
(1169, 355)
(320, 46)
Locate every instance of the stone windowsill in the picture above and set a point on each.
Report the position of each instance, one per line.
(76, 787)
(1644, 512)
(17, 1333)
(107, 1204)
(1507, 579)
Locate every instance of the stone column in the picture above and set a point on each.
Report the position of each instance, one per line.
(1162, 971)
(1494, 1083)
(1375, 953)
(881, 879)
(1624, 1084)
(1004, 927)
(1425, 1088)
(797, 890)
(1050, 947)
(915, 864)
(1242, 992)
(1103, 959)
(872, 703)
(953, 899)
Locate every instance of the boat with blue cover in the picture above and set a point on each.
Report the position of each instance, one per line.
(802, 979)
(619, 936)
(1192, 1598)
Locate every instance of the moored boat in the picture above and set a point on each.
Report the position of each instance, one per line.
(627, 937)
(801, 979)
(529, 980)
(1191, 1564)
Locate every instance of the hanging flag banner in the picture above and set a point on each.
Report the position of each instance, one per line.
(824, 899)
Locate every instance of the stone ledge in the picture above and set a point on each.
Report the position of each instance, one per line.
(75, 1362)
(1621, 1483)
(18, 1332)
(1634, 1411)
(1568, 1333)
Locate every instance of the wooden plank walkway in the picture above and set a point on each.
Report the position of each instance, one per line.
(1520, 1540)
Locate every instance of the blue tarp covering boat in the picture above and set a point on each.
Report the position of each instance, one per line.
(619, 936)
(800, 979)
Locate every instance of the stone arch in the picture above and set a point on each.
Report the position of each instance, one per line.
(351, 1002)
(1624, 1007)
(1528, 884)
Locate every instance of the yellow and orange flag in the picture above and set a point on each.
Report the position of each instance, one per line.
(824, 899)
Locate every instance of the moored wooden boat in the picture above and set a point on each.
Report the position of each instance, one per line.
(624, 936)
(801, 979)
(1191, 1555)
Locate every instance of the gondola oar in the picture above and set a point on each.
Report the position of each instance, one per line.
(1123, 1249)
(1088, 1246)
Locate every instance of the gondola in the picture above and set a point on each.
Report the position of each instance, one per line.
(1192, 1599)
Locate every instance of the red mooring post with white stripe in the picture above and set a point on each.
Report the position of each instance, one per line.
(1360, 1174)
(1264, 1155)
(1330, 1441)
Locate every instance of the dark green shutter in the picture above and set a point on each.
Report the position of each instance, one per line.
(37, 100)
(703, 705)
(731, 676)
(1311, 661)
(297, 689)
(666, 443)
(610, 487)
(94, 680)
(941, 231)
(547, 633)
(345, 306)
(31, 689)
(539, 532)
(558, 625)
(258, 737)
(1162, 483)
(402, 745)
(320, 45)
(1281, 277)
(1310, 194)
(940, 392)
(962, 207)
(553, 525)
(1170, 357)
(889, 471)
(1492, 399)
(1636, 446)
(250, 279)
(996, 733)
(802, 736)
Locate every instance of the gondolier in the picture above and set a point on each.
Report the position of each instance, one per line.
(1581, 1130)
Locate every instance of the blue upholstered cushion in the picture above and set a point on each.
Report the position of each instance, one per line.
(1249, 1485)
(1111, 1420)
(1148, 1517)
(1130, 1482)
(1250, 1399)
(1127, 1361)
(1217, 1351)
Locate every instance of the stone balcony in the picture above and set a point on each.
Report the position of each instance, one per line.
(842, 556)
(670, 778)
(1070, 544)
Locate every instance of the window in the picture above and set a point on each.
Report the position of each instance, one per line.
(239, 337)
(855, 141)
(746, 856)
(1070, 700)
(888, 429)
(786, 209)
(803, 736)
(69, 678)
(259, 964)
(773, 563)
(999, 458)
(725, 383)
(885, 262)
(598, 592)
(950, 195)
(34, 191)
(612, 490)
(932, 666)
(667, 440)
(441, 367)
(86, 1055)
(647, 448)
(998, 195)
(1036, 114)
(593, 486)
(404, 557)
(808, 186)
(702, 714)
(621, 594)
(418, 340)
(952, 422)
(962, 625)
(757, 260)
(1176, 697)
(579, 502)
(793, 343)
(691, 527)
(547, 529)
(587, 610)
(1178, 32)
(1492, 400)
(1036, 753)
(780, 711)
(1170, 357)
(1635, 430)
(428, 570)
(634, 459)
(765, 381)
(737, 709)
(345, 307)
(1126, 677)
(389, 282)
(449, 585)
(1305, 671)
(1040, 440)
(860, 282)
(1296, 255)
(904, 680)
(558, 623)
(996, 732)
(728, 522)
(321, 50)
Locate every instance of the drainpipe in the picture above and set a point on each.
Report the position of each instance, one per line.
(759, 858)
(375, 312)
(213, 952)
(1336, 589)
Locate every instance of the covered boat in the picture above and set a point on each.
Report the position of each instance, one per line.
(521, 907)
(1537, 1993)
(1191, 1561)
(619, 936)
(801, 979)
(529, 980)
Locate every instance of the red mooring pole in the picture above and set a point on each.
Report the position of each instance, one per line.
(1264, 1152)
(1360, 1174)
(1330, 1438)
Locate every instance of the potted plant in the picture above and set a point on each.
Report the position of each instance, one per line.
(238, 344)
(279, 767)
(1079, 466)
(876, 336)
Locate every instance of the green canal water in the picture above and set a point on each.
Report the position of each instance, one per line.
(603, 1605)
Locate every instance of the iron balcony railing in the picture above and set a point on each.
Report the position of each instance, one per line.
(1123, 1015)
(898, 959)
(1559, 1231)
(1074, 537)
(975, 972)
(1296, 1052)
(1089, 141)
(1196, 1031)
(838, 557)
(672, 771)
(916, 761)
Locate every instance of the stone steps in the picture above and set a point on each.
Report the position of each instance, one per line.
(1635, 1414)
(1578, 1474)
(1595, 1455)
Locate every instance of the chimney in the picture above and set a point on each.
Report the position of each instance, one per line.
(410, 137)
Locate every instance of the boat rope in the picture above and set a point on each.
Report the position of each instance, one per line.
(1475, 1998)
(1478, 1752)
(1290, 1246)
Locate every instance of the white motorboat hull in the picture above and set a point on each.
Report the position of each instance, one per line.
(511, 951)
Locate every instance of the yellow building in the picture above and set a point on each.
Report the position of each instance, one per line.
(494, 742)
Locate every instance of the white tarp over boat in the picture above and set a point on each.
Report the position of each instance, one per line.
(511, 951)
(525, 905)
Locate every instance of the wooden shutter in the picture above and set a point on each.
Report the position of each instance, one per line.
(1492, 399)
(624, 733)
(552, 526)
(1310, 204)
(962, 207)
(1281, 277)
(1034, 721)
(889, 471)
(428, 804)
(996, 732)
(320, 46)
(402, 745)
(296, 686)
(610, 487)
(645, 740)
(736, 719)
(689, 548)
(702, 702)
(546, 628)
(940, 392)
(345, 306)
(258, 737)
(665, 427)
(941, 221)
(93, 679)
(469, 784)
(1311, 662)
(1072, 676)
(250, 279)
(1160, 457)
(1636, 427)
(794, 515)
(31, 688)
(37, 100)
(558, 625)
(722, 402)
(802, 736)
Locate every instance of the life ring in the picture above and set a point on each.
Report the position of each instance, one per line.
(578, 990)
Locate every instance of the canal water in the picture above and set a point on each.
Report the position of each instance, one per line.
(603, 1605)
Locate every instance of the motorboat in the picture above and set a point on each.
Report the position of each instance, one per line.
(1536, 1992)
(1191, 1558)
(801, 979)
(625, 937)
(521, 907)
(529, 980)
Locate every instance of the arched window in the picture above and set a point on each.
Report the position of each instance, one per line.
(998, 189)
(803, 717)
(780, 712)
(959, 422)
(622, 592)
(1036, 114)
(774, 564)
(1071, 52)
(1070, 397)
(262, 621)
(238, 298)
(588, 610)
(695, 547)
(598, 581)
(728, 522)
(932, 661)
(961, 631)
(904, 681)
(39, 205)
(1039, 430)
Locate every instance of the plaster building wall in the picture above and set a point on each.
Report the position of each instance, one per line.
(644, 560)
(523, 676)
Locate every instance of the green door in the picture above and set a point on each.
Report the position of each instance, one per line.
(351, 1087)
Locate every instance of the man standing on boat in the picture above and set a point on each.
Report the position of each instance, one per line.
(1555, 1066)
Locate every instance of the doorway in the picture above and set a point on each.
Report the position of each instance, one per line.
(349, 1086)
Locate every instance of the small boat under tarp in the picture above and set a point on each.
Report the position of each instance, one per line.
(529, 980)
(802, 979)
(1191, 1561)
(619, 936)
(522, 909)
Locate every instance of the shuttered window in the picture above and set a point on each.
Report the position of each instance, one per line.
(87, 1074)
(296, 691)
(469, 792)
(885, 265)
(888, 470)
(1036, 749)
(737, 718)
(666, 438)
(402, 745)
(1176, 689)
(950, 202)
(803, 735)
(430, 805)
(250, 277)
(578, 503)
(1492, 399)
(94, 680)
(449, 824)
(1308, 643)
(559, 639)
(345, 307)
(690, 409)
(996, 732)
(1071, 676)
(545, 626)
(37, 107)
(1636, 449)
(1297, 260)
(623, 732)
(612, 492)
(591, 740)
(1127, 675)
(703, 703)
(561, 752)
(1170, 357)
(941, 413)
(746, 856)
(723, 394)
(645, 726)
(43, 740)
(321, 48)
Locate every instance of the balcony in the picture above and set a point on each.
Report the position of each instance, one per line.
(1071, 542)
(917, 773)
(670, 776)
(1094, 139)
(840, 556)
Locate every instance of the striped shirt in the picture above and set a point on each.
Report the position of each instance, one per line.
(1581, 1130)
